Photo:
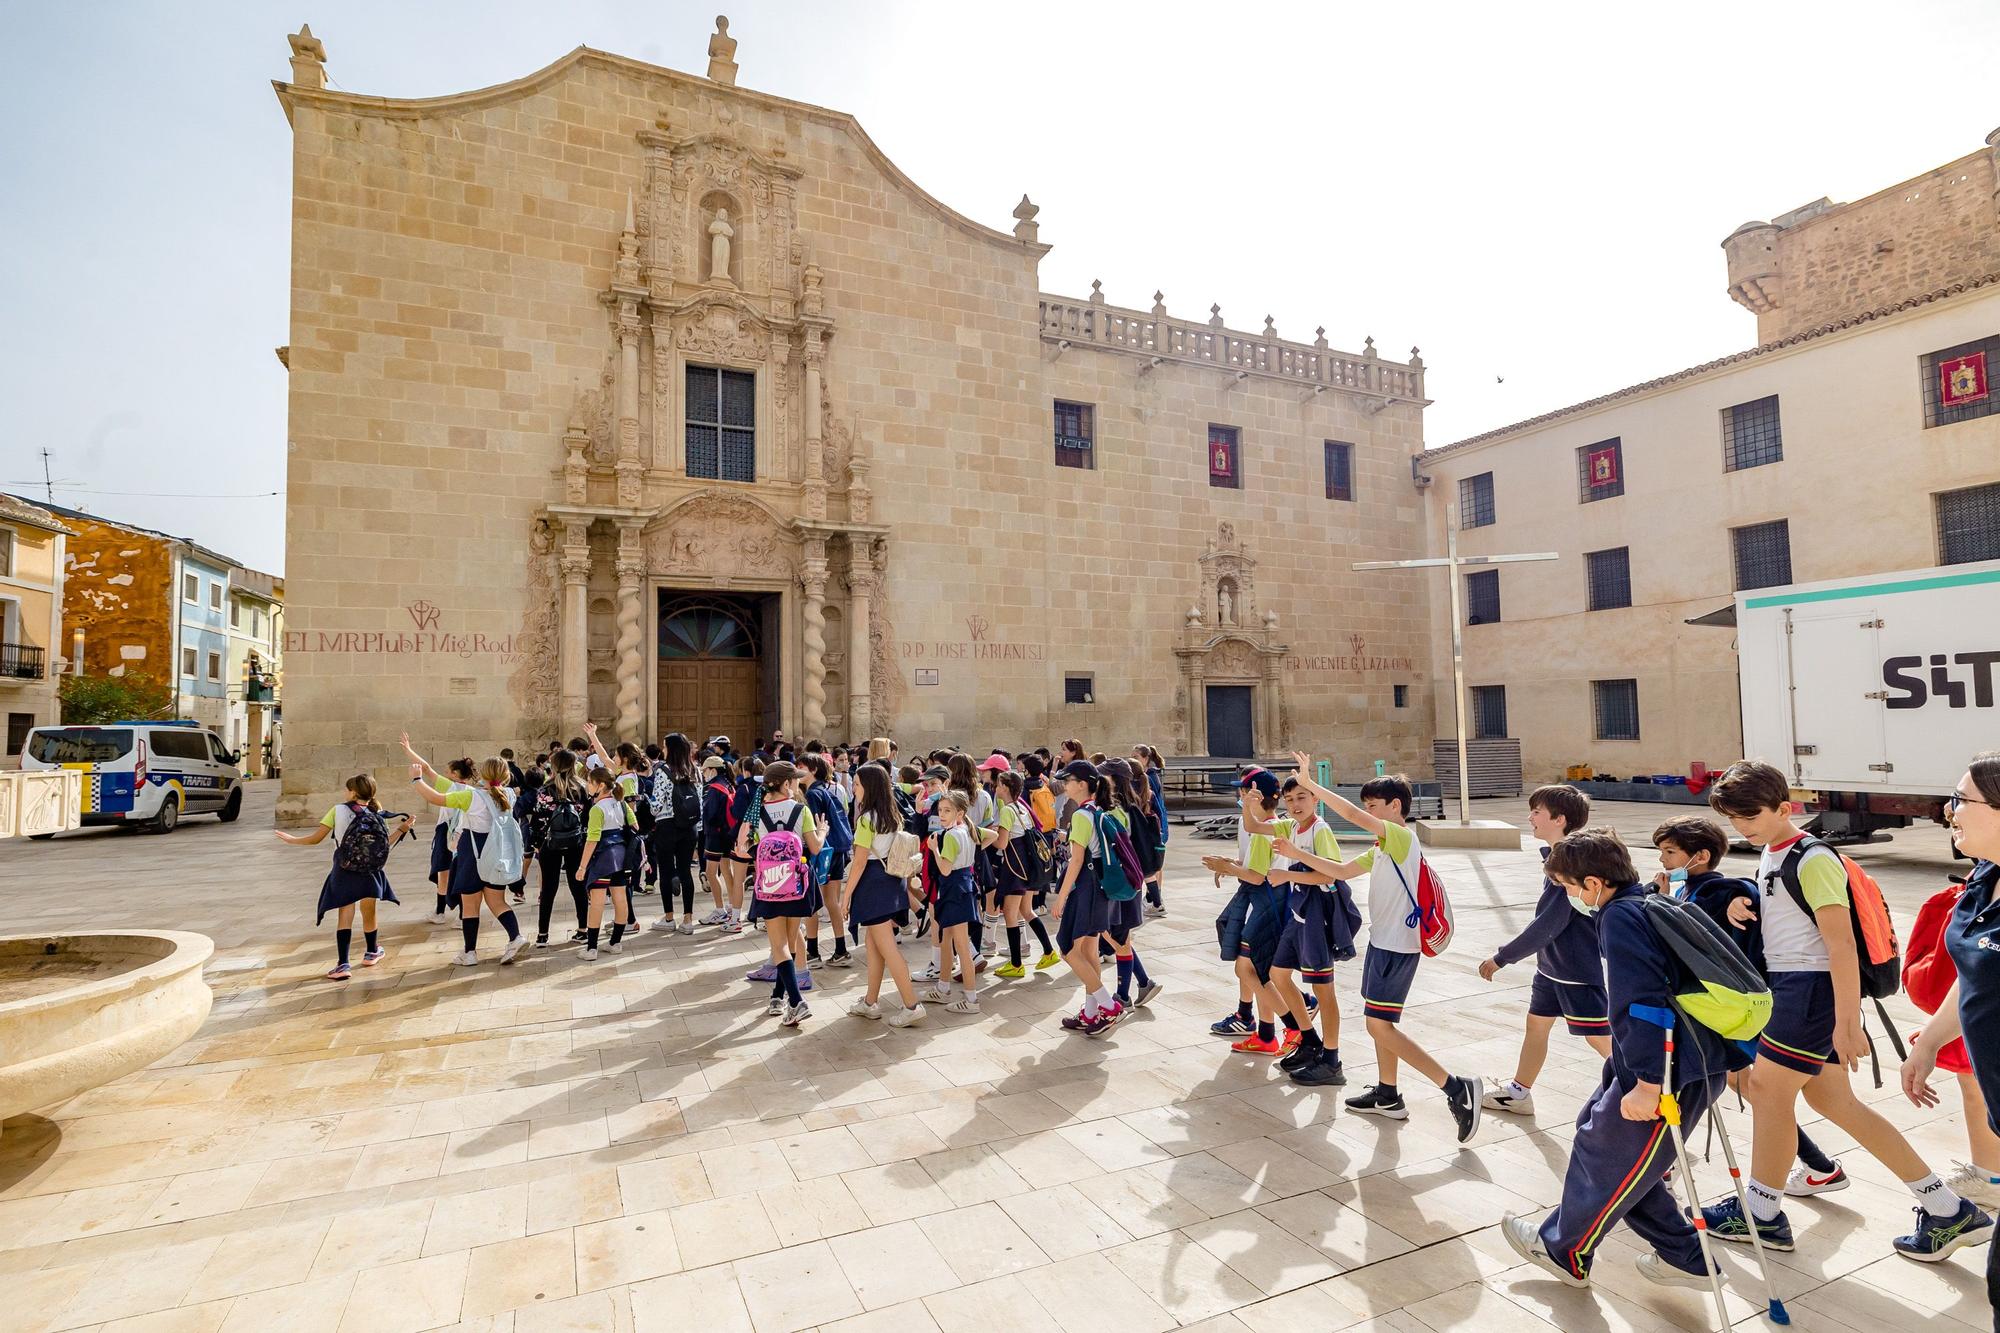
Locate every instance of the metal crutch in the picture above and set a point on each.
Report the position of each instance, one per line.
(1670, 1111)
(1772, 1305)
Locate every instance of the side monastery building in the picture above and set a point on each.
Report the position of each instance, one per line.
(625, 395)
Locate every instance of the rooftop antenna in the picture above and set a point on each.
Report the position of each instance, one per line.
(47, 484)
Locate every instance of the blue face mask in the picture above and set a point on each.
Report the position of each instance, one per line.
(1677, 876)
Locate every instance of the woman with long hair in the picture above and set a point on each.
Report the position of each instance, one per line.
(1081, 906)
(674, 831)
(344, 887)
(1018, 854)
(876, 900)
(1153, 767)
(1127, 793)
(560, 808)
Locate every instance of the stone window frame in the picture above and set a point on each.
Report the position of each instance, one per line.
(691, 367)
(9, 541)
(1079, 687)
(214, 666)
(215, 596)
(1234, 436)
(1076, 455)
(1339, 470)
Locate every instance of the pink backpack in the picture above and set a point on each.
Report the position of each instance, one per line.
(780, 870)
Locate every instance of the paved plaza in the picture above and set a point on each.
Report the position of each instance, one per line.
(632, 1145)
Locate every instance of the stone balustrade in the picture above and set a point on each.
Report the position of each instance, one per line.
(1156, 333)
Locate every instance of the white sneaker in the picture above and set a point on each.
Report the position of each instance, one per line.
(1655, 1269)
(863, 1009)
(615, 946)
(514, 946)
(902, 1018)
(587, 954)
(1500, 1096)
(964, 1004)
(1973, 1182)
(796, 1014)
(685, 928)
(439, 918)
(930, 973)
(1803, 1181)
(1523, 1234)
(714, 918)
(733, 926)
(467, 959)
(664, 923)
(935, 994)
(775, 1007)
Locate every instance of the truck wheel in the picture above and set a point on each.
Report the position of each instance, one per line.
(232, 807)
(168, 817)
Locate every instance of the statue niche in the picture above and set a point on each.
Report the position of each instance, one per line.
(721, 250)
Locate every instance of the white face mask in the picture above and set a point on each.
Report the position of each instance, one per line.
(1582, 906)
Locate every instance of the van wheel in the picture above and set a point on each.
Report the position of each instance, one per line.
(232, 807)
(169, 816)
(40, 837)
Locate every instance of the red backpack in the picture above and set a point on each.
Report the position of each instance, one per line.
(1430, 905)
(1928, 972)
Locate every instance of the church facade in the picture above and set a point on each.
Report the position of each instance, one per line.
(625, 395)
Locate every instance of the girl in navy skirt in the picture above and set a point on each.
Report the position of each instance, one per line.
(1016, 840)
(1081, 907)
(491, 799)
(629, 766)
(876, 900)
(345, 888)
(444, 834)
(954, 851)
(780, 808)
(604, 860)
(1128, 790)
(1146, 760)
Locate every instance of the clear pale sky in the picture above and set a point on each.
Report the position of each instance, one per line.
(1536, 192)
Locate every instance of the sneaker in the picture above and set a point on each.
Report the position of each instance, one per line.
(1804, 1182)
(339, 972)
(978, 965)
(1299, 1056)
(1727, 1222)
(1098, 1026)
(776, 1007)
(1321, 1073)
(841, 959)
(813, 961)
(1075, 1022)
(1232, 1026)
(1502, 1097)
(935, 994)
(714, 918)
(1971, 1181)
(903, 1018)
(796, 1014)
(1118, 1012)
(664, 923)
(467, 959)
(579, 936)
(930, 973)
(733, 926)
(1525, 1238)
(1047, 961)
(1256, 1045)
(373, 956)
(1146, 993)
(587, 954)
(1011, 971)
(1291, 1040)
(1155, 911)
(1655, 1269)
(805, 982)
(964, 1004)
(1376, 1102)
(1463, 1094)
(515, 945)
(767, 973)
(1937, 1237)
(541, 941)
(865, 1009)
(686, 927)
(439, 918)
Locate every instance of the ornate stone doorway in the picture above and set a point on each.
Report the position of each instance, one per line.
(716, 674)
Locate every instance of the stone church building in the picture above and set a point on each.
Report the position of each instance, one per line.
(625, 395)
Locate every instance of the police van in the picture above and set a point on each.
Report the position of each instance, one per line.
(143, 774)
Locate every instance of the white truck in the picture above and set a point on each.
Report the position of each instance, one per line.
(1872, 693)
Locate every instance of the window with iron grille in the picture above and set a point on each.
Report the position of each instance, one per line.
(1402, 696)
(1610, 575)
(1763, 555)
(1075, 442)
(1482, 597)
(1475, 501)
(721, 424)
(1968, 524)
(1959, 382)
(1489, 711)
(1339, 470)
(1078, 689)
(1750, 435)
(1615, 704)
(1225, 457)
(1600, 471)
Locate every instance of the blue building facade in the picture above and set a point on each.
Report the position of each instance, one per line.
(201, 634)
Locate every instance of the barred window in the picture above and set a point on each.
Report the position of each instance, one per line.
(1600, 471)
(1615, 704)
(1482, 597)
(1078, 689)
(1402, 696)
(1959, 382)
(1968, 523)
(1339, 470)
(1075, 440)
(1610, 575)
(1489, 711)
(1750, 435)
(1475, 501)
(721, 424)
(1763, 555)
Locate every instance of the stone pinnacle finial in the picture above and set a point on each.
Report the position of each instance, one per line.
(1270, 327)
(1368, 347)
(308, 58)
(1416, 359)
(722, 54)
(1215, 316)
(1159, 305)
(1319, 337)
(1025, 227)
(1096, 292)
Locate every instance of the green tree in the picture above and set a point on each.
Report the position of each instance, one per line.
(92, 700)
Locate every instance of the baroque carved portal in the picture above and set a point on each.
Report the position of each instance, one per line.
(1241, 646)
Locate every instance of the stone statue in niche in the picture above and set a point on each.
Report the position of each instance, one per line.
(719, 234)
(1225, 603)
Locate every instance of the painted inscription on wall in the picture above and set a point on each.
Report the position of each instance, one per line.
(1356, 660)
(976, 646)
(425, 638)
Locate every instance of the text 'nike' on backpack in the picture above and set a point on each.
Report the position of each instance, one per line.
(779, 872)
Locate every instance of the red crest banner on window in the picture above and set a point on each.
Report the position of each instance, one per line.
(1603, 465)
(1221, 459)
(1962, 380)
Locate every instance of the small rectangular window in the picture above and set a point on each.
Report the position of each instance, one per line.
(187, 661)
(1076, 441)
(1225, 457)
(1958, 382)
(1750, 435)
(215, 666)
(1968, 523)
(1610, 576)
(1339, 470)
(1489, 710)
(1763, 554)
(7, 539)
(1402, 696)
(191, 588)
(235, 615)
(1482, 597)
(1475, 501)
(1600, 471)
(215, 596)
(1079, 690)
(18, 727)
(721, 424)
(1615, 704)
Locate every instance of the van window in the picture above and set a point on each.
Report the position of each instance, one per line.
(174, 743)
(80, 745)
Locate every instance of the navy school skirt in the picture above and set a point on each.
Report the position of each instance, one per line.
(879, 897)
(1088, 912)
(465, 880)
(343, 888)
(440, 851)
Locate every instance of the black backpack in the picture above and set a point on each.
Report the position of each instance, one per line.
(565, 825)
(364, 848)
(640, 806)
(684, 804)
(1146, 838)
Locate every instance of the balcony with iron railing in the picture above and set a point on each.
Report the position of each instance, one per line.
(23, 661)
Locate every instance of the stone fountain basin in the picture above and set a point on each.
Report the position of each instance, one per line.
(81, 1009)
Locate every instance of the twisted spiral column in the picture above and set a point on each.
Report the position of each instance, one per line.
(631, 567)
(815, 636)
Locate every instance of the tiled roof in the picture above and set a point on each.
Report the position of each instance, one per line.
(22, 511)
(1692, 372)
